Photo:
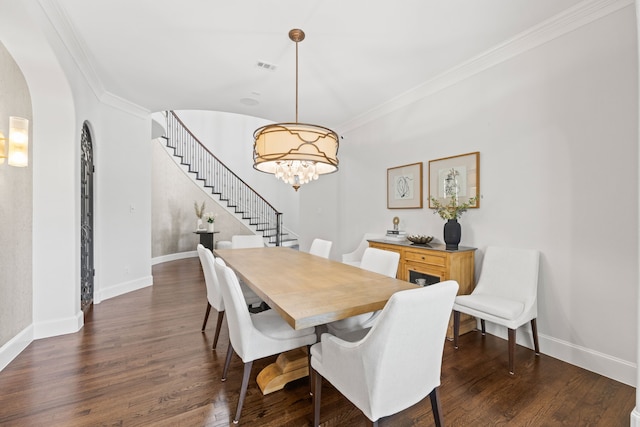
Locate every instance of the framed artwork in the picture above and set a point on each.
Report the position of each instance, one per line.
(404, 187)
(455, 176)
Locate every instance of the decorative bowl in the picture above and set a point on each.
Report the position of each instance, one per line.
(419, 239)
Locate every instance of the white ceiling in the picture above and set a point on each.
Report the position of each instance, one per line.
(357, 55)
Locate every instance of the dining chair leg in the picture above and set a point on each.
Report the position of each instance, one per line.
(483, 327)
(435, 407)
(512, 349)
(456, 328)
(243, 389)
(309, 370)
(317, 385)
(206, 316)
(534, 330)
(218, 327)
(227, 362)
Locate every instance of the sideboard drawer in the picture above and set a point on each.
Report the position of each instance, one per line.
(427, 258)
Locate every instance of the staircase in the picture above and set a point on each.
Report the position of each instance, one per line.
(223, 183)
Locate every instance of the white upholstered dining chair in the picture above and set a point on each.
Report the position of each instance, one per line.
(398, 363)
(247, 241)
(506, 294)
(214, 293)
(254, 336)
(355, 257)
(378, 261)
(321, 248)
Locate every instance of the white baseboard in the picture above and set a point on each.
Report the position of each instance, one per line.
(15, 345)
(635, 418)
(63, 326)
(38, 330)
(591, 360)
(174, 257)
(123, 288)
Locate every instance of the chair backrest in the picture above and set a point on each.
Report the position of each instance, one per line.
(380, 261)
(240, 325)
(214, 293)
(321, 248)
(356, 255)
(247, 241)
(402, 353)
(510, 273)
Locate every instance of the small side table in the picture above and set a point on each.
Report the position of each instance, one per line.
(207, 238)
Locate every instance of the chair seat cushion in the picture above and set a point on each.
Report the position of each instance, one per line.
(496, 306)
(270, 323)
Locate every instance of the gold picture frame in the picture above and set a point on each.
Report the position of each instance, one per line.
(463, 170)
(404, 187)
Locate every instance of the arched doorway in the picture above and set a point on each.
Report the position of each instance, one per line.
(87, 271)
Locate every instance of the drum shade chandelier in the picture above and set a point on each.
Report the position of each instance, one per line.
(295, 152)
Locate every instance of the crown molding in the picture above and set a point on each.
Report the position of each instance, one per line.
(575, 17)
(125, 105)
(63, 27)
(77, 50)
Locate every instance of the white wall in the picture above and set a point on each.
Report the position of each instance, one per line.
(320, 215)
(121, 135)
(62, 101)
(53, 244)
(16, 188)
(123, 201)
(556, 128)
(173, 215)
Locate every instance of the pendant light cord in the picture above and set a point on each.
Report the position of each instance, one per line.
(296, 82)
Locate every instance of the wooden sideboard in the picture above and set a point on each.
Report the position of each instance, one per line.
(435, 264)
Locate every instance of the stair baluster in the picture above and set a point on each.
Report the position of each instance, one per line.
(222, 182)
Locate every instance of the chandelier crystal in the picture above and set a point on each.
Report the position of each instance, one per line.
(296, 153)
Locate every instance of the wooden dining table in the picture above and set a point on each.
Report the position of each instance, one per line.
(307, 291)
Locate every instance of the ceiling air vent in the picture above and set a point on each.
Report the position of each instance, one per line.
(265, 66)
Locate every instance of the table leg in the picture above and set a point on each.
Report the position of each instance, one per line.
(289, 366)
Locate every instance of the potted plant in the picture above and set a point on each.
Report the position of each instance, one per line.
(210, 218)
(199, 212)
(450, 212)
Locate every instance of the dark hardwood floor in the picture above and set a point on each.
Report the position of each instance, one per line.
(141, 360)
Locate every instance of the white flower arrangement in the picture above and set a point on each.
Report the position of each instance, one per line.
(210, 217)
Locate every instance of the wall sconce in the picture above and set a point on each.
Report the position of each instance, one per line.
(18, 142)
(3, 148)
